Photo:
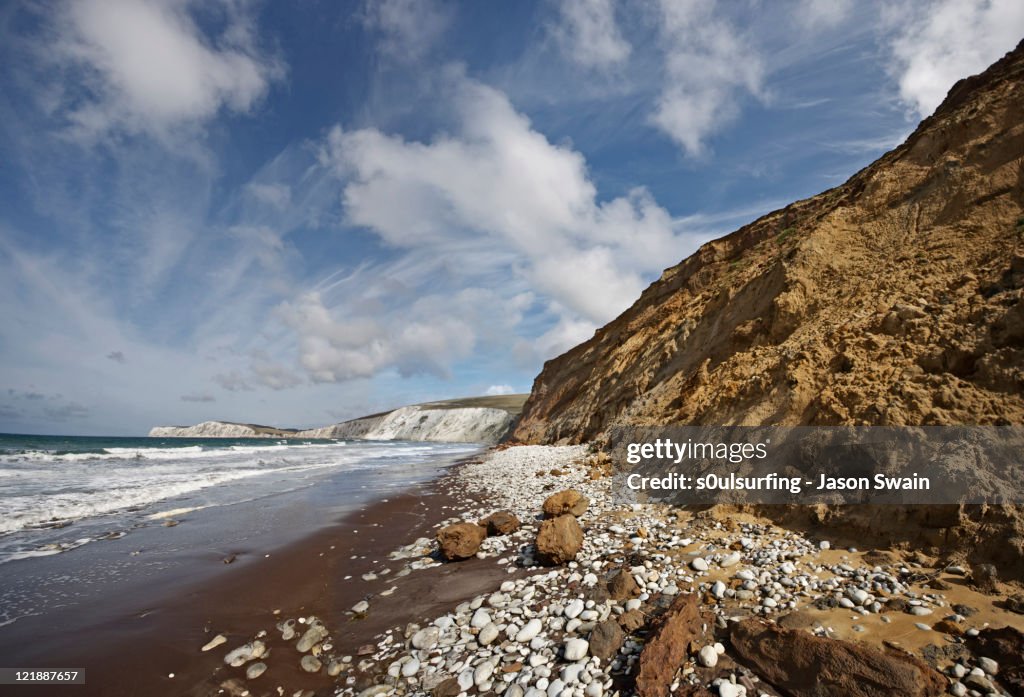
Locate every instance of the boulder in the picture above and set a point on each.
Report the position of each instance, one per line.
(568, 501)
(500, 523)
(985, 578)
(803, 665)
(606, 640)
(461, 540)
(622, 585)
(559, 540)
(681, 629)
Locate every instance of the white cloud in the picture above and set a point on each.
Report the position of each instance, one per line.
(822, 14)
(937, 43)
(497, 390)
(709, 66)
(409, 28)
(589, 34)
(502, 185)
(146, 66)
(277, 196)
(335, 348)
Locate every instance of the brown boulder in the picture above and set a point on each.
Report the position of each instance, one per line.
(803, 665)
(500, 523)
(622, 585)
(985, 578)
(568, 501)
(681, 628)
(632, 620)
(461, 540)
(606, 640)
(559, 540)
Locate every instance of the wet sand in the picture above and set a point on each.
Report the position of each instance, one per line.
(136, 654)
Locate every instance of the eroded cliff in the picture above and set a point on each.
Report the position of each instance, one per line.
(895, 298)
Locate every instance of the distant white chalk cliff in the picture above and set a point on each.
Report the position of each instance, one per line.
(457, 421)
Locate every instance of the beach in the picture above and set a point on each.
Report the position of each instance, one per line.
(500, 622)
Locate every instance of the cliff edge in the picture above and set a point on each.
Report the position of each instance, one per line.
(895, 298)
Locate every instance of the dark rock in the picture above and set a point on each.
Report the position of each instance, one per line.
(1015, 603)
(606, 640)
(677, 631)
(985, 578)
(803, 665)
(500, 523)
(568, 501)
(461, 540)
(965, 610)
(559, 540)
(896, 605)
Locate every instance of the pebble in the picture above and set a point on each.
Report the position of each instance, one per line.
(255, 670)
(699, 564)
(574, 608)
(487, 634)
(988, 665)
(481, 618)
(482, 674)
(214, 642)
(729, 560)
(708, 657)
(426, 638)
(575, 649)
(529, 631)
(310, 664)
(360, 607)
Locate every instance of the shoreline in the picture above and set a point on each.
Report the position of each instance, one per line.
(155, 636)
(738, 566)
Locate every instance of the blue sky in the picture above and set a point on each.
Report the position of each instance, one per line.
(299, 212)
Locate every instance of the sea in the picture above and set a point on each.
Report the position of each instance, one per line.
(84, 518)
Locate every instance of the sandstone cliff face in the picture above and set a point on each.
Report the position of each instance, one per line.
(893, 299)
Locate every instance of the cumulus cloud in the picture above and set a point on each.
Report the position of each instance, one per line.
(709, 67)
(589, 35)
(496, 233)
(500, 184)
(496, 390)
(937, 43)
(198, 397)
(336, 346)
(146, 66)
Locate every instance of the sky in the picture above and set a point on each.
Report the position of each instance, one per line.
(295, 213)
